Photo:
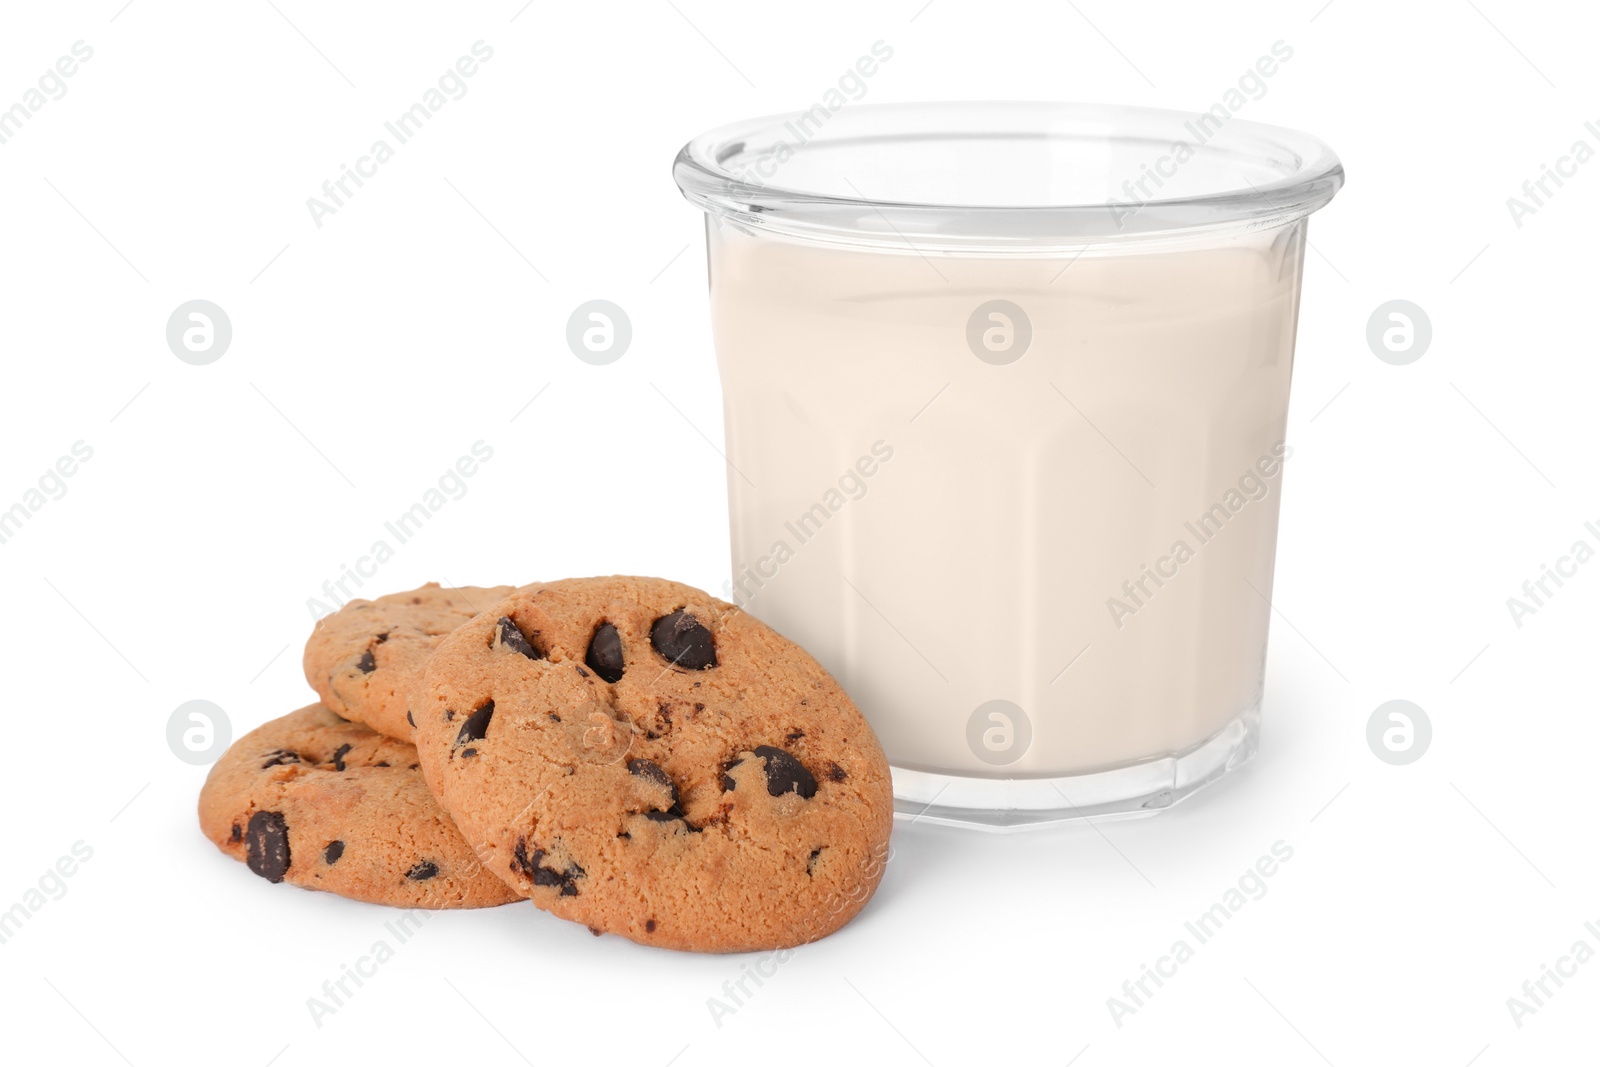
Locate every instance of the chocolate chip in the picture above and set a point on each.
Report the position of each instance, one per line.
(381, 638)
(512, 639)
(238, 834)
(605, 653)
(422, 871)
(680, 638)
(381, 763)
(280, 756)
(541, 875)
(581, 672)
(366, 664)
(794, 735)
(573, 871)
(728, 784)
(836, 772)
(812, 859)
(449, 715)
(267, 850)
(468, 753)
(332, 853)
(412, 722)
(643, 768)
(338, 757)
(477, 724)
(649, 926)
(785, 774)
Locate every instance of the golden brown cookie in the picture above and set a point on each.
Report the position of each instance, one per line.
(361, 659)
(637, 756)
(327, 804)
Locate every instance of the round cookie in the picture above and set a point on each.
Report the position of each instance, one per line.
(363, 657)
(327, 804)
(637, 756)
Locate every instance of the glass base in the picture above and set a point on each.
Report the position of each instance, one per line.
(1008, 804)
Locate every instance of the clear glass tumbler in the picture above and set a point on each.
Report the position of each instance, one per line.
(1005, 390)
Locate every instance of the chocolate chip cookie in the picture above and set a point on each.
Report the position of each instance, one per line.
(637, 756)
(327, 804)
(362, 658)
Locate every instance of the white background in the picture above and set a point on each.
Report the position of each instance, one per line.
(370, 353)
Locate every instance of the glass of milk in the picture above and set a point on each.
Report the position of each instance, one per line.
(1005, 390)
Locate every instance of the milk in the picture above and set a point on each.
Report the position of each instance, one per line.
(1029, 566)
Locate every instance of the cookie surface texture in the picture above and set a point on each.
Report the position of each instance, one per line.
(363, 657)
(637, 756)
(326, 804)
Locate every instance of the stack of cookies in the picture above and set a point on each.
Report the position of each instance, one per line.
(628, 753)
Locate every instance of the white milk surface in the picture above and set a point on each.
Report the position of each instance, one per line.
(942, 532)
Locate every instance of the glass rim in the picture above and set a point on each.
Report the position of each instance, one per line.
(722, 172)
